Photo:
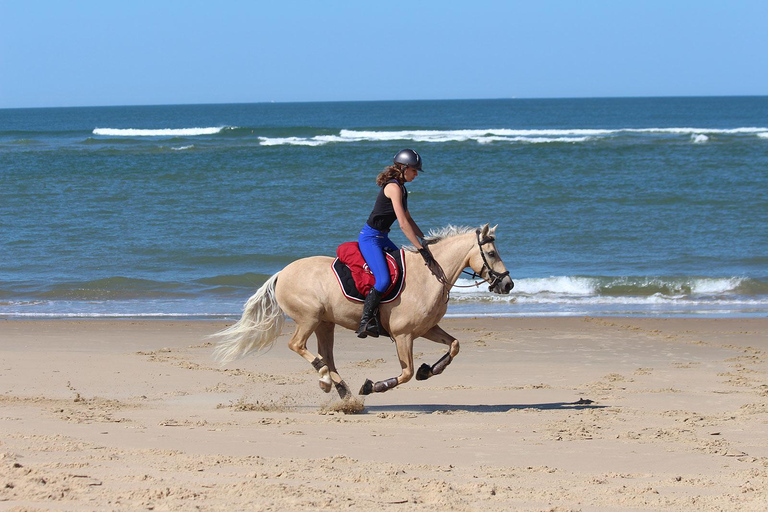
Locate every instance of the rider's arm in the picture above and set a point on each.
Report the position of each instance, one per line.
(393, 192)
(418, 231)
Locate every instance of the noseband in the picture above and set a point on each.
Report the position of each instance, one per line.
(494, 278)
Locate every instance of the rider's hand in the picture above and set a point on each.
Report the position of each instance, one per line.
(429, 260)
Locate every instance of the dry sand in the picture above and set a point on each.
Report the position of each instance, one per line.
(125, 415)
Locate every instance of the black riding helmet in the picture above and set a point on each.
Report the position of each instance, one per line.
(408, 157)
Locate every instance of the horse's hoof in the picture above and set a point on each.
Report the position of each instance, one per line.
(325, 386)
(423, 373)
(343, 390)
(367, 387)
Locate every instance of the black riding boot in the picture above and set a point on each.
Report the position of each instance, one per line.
(369, 323)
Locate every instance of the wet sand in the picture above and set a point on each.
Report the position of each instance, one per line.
(534, 414)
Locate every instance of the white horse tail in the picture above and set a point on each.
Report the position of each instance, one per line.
(258, 327)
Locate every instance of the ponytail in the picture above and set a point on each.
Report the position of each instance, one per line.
(392, 172)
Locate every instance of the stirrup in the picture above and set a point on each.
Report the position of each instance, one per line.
(370, 328)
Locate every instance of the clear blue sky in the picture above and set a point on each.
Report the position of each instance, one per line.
(72, 53)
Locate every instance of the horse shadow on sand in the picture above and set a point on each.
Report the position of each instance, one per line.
(433, 408)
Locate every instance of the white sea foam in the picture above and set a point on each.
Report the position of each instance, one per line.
(686, 131)
(163, 132)
(699, 138)
(501, 135)
(480, 136)
(182, 148)
(763, 135)
(463, 135)
(290, 141)
(555, 132)
(655, 299)
(532, 140)
(604, 290)
(555, 285)
(715, 286)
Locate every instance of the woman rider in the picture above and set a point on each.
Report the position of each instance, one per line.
(391, 204)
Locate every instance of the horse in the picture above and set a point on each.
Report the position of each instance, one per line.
(307, 291)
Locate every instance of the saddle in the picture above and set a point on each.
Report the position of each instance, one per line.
(356, 279)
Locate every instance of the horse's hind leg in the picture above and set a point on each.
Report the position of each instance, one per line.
(298, 344)
(440, 336)
(324, 333)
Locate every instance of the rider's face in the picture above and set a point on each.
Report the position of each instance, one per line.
(410, 174)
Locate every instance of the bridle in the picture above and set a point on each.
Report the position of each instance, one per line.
(493, 278)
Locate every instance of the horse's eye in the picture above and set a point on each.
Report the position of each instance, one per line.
(492, 254)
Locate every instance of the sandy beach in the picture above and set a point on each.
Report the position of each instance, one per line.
(534, 414)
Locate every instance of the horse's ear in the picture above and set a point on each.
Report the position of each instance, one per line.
(493, 229)
(484, 231)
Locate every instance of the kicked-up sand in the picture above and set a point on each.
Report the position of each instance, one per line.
(534, 414)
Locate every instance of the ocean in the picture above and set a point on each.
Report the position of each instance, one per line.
(636, 206)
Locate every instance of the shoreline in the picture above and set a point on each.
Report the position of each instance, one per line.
(533, 414)
(449, 316)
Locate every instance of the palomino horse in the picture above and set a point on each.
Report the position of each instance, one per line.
(308, 292)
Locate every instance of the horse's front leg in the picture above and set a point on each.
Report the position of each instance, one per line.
(404, 345)
(324, 333)
(440, 336)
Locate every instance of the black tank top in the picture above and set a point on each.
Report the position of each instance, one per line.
(383, 215)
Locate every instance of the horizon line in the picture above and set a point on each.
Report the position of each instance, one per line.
(510, 98)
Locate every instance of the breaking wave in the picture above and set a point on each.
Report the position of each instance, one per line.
(564, 288)
(163, 132)
(485, 136)
(625, 296)
(699, 138)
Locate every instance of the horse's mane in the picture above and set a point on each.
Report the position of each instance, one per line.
(436, 235)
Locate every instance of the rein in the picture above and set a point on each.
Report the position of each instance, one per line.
(472, 275)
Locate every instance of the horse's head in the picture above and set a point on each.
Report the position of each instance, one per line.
(486, 262)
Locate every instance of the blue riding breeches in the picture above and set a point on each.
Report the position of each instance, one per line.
(372, 244)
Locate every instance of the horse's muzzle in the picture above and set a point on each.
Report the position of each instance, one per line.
(504, 286)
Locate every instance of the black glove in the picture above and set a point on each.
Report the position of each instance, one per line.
(428, 258)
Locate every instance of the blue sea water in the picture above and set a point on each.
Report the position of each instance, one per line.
(645, 206)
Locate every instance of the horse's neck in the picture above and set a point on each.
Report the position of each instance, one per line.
(453, 255)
